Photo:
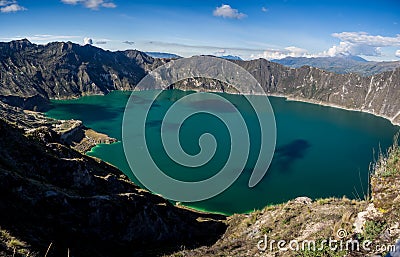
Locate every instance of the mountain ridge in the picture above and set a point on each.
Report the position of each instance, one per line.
(32, 74)
(163, 55)
(341, 64)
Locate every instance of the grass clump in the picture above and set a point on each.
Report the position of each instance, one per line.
(388, 165)
(13, 243)
(372, 229)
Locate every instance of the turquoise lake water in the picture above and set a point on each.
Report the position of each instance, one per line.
(320, 151)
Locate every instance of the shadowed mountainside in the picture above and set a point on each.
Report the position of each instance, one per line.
(52, 194)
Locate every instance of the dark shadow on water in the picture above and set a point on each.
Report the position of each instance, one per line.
(89, 113)
(212, 105)
(286, 155)
(154, 123)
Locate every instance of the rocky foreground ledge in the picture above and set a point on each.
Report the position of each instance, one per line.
(55, 199)
(372, 223)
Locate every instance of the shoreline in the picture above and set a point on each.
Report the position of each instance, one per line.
(320, 103)
(287, 97)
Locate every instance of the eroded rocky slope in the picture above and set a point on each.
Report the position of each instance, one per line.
(53, 195)
(31, 74)
(377, 94)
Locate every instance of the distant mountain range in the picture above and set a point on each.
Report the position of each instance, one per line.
(341, 64)
(175, 56)
(32, 74)
(163, 55)
(231, 57)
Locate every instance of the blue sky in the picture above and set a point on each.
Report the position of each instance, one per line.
(250, 29)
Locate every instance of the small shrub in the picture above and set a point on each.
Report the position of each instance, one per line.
(388, 164)
(265, 230)
(323, 201)
(372, 229)
(15, 243)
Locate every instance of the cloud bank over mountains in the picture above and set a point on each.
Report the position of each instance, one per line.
(362, 43)
(351, 43)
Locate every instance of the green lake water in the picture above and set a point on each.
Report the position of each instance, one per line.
(320, 151)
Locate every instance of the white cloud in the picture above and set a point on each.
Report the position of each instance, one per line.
(12, 8)
(48, 38)
(129, 42)
(91, 4)
(352, 43)
(109, 5)
(348, 48)
(43, 38)
(226, 11)
(70, 1)
(87, 41)
(361, 43)
(291, 51)
(365, 38)
(6, 2)
(220, 52)
(264, 9)
(8, 6)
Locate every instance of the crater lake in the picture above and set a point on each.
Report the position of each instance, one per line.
(320, 151)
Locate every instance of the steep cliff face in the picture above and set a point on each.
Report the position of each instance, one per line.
(65, 70)
(377, 94)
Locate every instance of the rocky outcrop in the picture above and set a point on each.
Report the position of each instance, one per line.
(258, 233)
(68, 132)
